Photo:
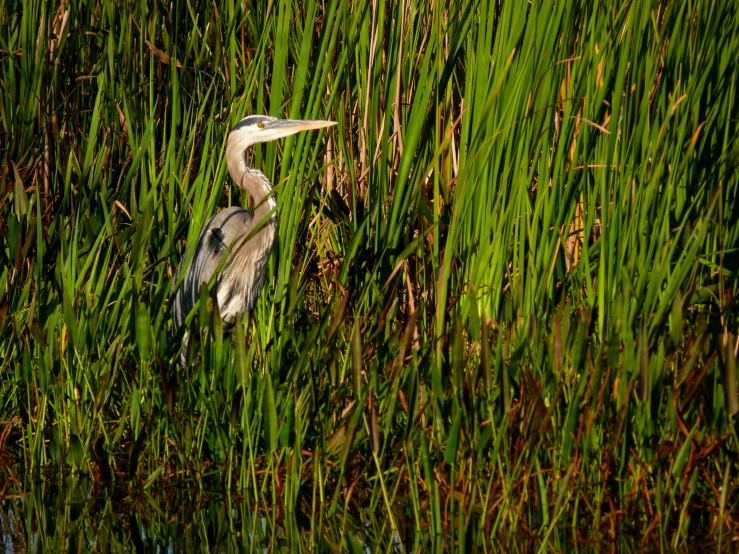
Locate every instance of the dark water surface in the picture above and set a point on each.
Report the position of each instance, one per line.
(74, 516)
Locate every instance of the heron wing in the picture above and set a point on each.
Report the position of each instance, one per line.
(217, 235)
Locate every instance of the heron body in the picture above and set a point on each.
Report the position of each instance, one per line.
(245, 239)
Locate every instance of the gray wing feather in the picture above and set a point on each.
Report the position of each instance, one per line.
(219, 233)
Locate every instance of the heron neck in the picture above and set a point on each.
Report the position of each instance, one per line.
(251, 180)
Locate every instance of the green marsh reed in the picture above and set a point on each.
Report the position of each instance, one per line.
(502, 305)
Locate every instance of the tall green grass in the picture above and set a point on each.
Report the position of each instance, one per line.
(502, 305)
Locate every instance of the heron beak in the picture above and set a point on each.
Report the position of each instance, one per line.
(287, 127)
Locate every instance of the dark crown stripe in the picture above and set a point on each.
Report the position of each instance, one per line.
(250, 120)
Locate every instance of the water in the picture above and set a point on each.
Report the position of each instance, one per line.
(76, 515)
(79, 514)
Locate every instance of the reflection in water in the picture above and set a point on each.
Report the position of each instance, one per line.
(81, 515)
(74, 516)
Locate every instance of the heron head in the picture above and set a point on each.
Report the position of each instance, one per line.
(262, 128)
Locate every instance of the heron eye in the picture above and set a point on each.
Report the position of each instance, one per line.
(260, 125)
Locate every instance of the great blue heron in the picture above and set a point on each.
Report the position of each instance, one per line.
(229, 232)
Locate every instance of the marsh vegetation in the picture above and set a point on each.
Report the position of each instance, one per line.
(501, 309)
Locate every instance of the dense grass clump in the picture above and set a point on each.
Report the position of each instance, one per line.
(502, 306)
